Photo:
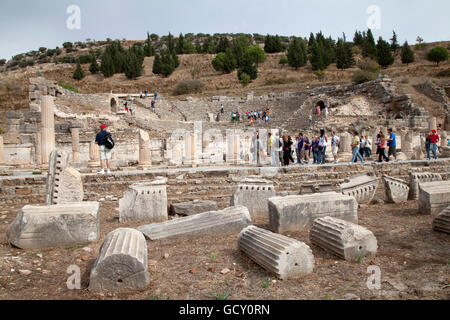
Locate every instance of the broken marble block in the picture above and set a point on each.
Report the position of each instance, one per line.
(420, 177)
(226, 221)
(64, 184)
(144, 202)
(362, 187)
(285, 257)
(191, 208)
(344, 239)
(442, 221)
(434, 197)
(397, 190)
(64, 225)
(254, 194)
(297, 213)
(122, 263)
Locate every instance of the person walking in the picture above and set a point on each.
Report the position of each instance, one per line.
(130, 107)
(153, 106)
(382, 153)
(307, 150)
(434, 139)
(315, 150)
(368, 147)
(392, 142)
(428, 148)
(105, 153)
(318, 110)
(335, 142)
(301, 149)
(323, 140)
(286, 150)
(355, 147)
(156, 95)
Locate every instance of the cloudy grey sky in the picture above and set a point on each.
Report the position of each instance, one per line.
(28, 24)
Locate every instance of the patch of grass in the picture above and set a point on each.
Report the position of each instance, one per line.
(188, 86)
(266, 283)
(219, 296)
(363, 76)
(327, 297)
(360, 258)
(214, 256)
(275, 81)
(74, 247)
(67, 86)
(33, 254)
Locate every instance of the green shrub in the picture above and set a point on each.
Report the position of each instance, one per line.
(67, 86)
(363, 76)
(438, 55)
(84, 59)
(271, 82)
(78, 74)
(369, 65)
(320, 74)
(245, 79)
(188, 87)
(283, 60)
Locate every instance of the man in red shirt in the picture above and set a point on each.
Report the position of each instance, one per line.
(434, 139)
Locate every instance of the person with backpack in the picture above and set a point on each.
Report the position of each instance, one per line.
(106, 144)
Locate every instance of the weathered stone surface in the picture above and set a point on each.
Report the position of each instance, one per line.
(64, 184)
(362, 187)
(145, 202)
(226, 221)
(296, 213)
(254, 194)
(191, 208)
(55, 226)
(442, 221)
(122, 263)
(397, 190)
(285, 257)
(434, 197)
(347, 240)
(420, 177)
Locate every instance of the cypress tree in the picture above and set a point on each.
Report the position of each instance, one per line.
(384, 53)
(317, 58)
(94, 68)
(369, 47)
(247, 66)
(148, 48)
(407, 54)
(223, 44)
(157, 64)
(394, 42)
(180, 45)
(296, 53)
(78, 74)
(358, 39)
(107, 65)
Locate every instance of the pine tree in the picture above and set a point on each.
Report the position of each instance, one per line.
(317, 58)
(170, 43)
(394, 42)
(107, 64)
(438, 55)
(247, 66)
(148, 48)
(407, 54)
(297, 53)
(358, 39)
(384, 53)
(369, 47)
(224, 61)
(157, 64)
(344, 54)
(257, 55)
(78, 74)
(223, 44)
(133, 63)
(180, 45)
(94, 68)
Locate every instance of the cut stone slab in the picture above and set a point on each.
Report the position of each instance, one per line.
(61, 225)
(228, 221)
(344, 239)
(122, 263)
(64, 184)
(285, 257)
(434, 197)
(144, 202)
(362, 187)
(420, 177)
(194, 207)
(254, 194)
(442, 221)
(397, 190)
(297, 213)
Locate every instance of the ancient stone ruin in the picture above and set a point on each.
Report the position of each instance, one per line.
(40, 227)
(193, 207)
(420, 177)
(362, 187)
(344, 239)
(442, 221)
(254, 194)
(297, 213)
(285, 257)
(121, 264)
(226, 221)
(145, 202)
(397, 190)
(434, 197)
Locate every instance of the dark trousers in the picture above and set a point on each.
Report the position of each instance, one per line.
(382, 155)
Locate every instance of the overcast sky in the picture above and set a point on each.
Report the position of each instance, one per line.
(29, 24)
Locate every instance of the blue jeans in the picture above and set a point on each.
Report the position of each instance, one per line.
(356, 155)
(434, 150)
(428, 148)
(322, 155)
(316, 157)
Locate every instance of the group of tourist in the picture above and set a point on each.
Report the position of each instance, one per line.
(260, 116)
(144, 95)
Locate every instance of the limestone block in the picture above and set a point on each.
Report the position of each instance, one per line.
(122, 263)
(397, 190)
(144, 202)
(194, 207)
(226, 221)
(362, 187)
(347, 240)
(420, 177)
(297, 213)
(65, 225)
(434, 197)
(254, 194)
(442, 221)
(285, 257)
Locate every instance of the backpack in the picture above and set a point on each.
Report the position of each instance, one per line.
(109, 142)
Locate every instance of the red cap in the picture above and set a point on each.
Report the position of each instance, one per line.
(434, 130)
(103, 126)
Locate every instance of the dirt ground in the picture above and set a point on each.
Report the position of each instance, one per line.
(414, 262)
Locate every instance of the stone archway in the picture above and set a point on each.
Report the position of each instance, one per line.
(322, 105)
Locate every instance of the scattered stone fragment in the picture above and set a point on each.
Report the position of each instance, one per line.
(420, 177)
(191, 208)
(25, 272)
(362, 187)
(442, 221)
(397, 190)
(434, 197)
(225, 271)
(254, 194)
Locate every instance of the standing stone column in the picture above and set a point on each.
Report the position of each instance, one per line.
(2, 157)
(444, 138)
(75, 144)
(345, 152)
(48, 127)
(432, 122)
(94, 155)
(144, 149)
(38, 150)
